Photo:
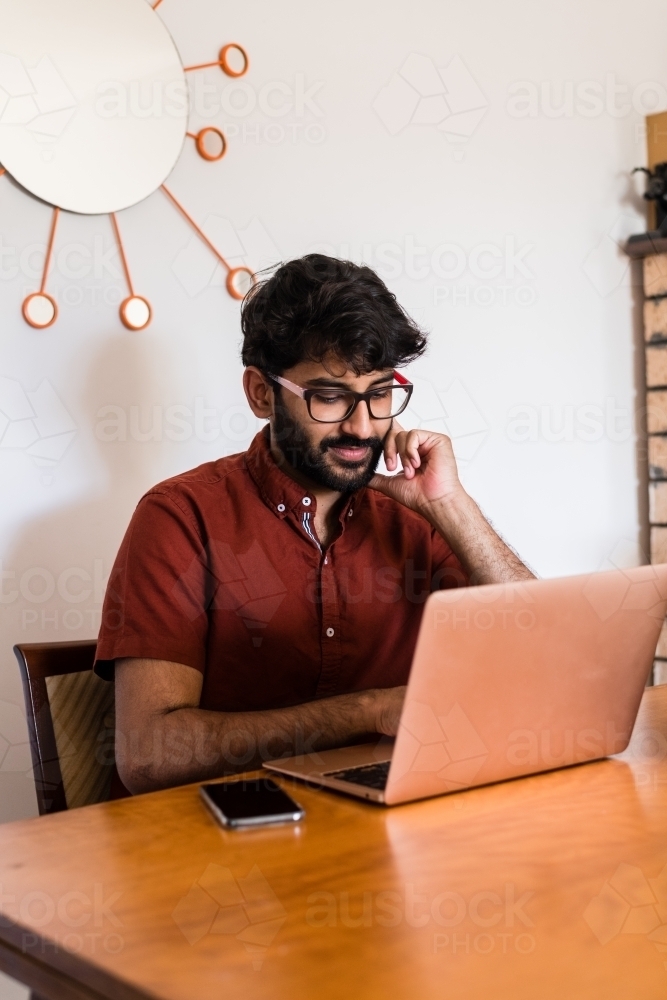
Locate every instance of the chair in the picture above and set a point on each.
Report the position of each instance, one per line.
(70, 715)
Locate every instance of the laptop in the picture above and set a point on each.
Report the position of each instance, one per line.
(509, 680)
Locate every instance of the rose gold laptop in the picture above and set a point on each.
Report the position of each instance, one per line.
(508, 680)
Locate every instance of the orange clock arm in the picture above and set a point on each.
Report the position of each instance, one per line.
(49, 249)
(190, 69)
(121, 250)
(202, 235)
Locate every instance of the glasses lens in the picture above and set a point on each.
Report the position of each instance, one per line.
(388, 402)
(330, 406)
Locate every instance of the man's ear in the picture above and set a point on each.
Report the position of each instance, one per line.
(259, 393)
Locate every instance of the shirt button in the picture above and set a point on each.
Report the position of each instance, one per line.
(349, 513)
(281, 507)
(330, 632)
(306, 501)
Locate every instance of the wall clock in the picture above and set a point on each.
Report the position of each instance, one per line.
(93, 117)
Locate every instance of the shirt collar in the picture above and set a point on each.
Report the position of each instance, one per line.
(278, 490)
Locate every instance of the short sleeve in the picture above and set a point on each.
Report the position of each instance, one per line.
(447, 570)
(156, 599)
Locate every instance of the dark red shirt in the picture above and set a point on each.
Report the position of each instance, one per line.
(221, 569)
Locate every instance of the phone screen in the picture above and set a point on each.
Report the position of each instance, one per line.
(250, 803)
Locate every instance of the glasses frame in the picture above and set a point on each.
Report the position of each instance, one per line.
(307, 395)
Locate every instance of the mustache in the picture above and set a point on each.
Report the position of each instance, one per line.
(350, 441)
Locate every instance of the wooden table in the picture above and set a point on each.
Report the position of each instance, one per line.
(550, 886)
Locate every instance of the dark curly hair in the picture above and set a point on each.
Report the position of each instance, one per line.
(318, 306)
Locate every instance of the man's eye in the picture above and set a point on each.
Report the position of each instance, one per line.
(382, 393)
(335, 397)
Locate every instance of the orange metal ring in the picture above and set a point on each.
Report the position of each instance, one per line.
(224, 64)
(30, 322)
(200, 140)
(233, 291)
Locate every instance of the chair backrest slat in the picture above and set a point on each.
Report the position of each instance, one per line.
(42, 667)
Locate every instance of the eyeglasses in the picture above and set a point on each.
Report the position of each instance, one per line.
(331, 406)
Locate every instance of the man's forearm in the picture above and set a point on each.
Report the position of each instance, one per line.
(483, 554)
(193, 744)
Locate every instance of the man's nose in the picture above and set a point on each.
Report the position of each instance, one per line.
(359, 422)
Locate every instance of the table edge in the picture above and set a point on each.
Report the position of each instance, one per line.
(73, 975)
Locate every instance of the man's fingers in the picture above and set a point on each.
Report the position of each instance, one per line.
(391, 705)
(390, 451)
(378, 483)
(394, 447)
(385, 484)
(407, 443)
(401, 441)
(412, 448)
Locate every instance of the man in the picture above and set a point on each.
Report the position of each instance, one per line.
(268, 603)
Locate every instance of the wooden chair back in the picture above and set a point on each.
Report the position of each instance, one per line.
(70, 715)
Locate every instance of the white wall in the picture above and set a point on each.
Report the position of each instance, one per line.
(555, 332)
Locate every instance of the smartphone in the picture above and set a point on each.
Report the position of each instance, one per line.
(250, 803)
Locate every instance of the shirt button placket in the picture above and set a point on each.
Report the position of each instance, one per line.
(329, 683)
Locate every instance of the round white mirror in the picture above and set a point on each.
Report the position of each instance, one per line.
(135, 312)
(93, 101)
(40, 310)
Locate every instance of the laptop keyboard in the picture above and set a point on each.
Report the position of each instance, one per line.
(370, 775)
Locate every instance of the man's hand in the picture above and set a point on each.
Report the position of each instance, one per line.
(429, 475)
(429, 484)
(388, 707)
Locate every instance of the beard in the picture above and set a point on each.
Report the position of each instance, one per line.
(313, 461)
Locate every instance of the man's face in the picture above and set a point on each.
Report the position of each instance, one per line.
(340, 456)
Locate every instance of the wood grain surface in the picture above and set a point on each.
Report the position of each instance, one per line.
(550, 886)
